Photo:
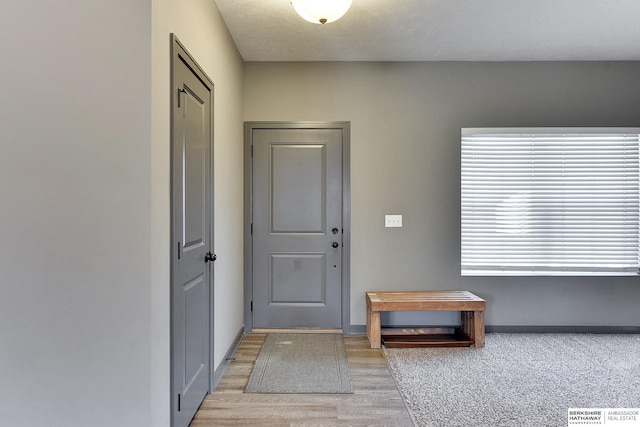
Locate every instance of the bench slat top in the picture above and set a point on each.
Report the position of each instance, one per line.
(424, 300)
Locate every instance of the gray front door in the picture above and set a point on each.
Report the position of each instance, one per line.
(297, 228)
(191, 272)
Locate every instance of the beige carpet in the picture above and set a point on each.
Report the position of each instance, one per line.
(301, 363)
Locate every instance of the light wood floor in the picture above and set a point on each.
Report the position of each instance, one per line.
(375, 402)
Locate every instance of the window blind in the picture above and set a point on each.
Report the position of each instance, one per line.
(550, 201)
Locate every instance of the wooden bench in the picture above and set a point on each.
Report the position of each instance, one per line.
(471, 307)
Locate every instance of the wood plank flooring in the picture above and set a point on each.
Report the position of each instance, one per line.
(375, 402)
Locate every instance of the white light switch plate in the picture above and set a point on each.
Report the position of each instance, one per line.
(393, 220)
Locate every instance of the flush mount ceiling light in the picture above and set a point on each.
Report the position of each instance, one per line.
(321, 11)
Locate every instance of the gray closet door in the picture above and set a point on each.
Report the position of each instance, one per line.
(191, 238)
(297, 228)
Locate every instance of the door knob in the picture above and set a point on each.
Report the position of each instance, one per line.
(210, 256)
(335, 244)
(335, 230)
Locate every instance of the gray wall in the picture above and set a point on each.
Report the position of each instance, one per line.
(406, 120)
(84, 193)
(74, 241)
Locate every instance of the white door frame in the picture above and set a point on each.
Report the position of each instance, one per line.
(346, 211)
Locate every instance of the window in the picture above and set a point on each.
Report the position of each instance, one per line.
(548, 201)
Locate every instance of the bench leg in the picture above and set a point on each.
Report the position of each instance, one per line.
(478, 324)
(473, 326)
(373, 328)
(368, 321)
(467, 322)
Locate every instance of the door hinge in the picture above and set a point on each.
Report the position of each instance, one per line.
(252, 306)
(180, 90)
(178, 402)
(252, 229)
(178, 250)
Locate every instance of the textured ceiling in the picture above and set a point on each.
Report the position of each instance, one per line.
(439, 30)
